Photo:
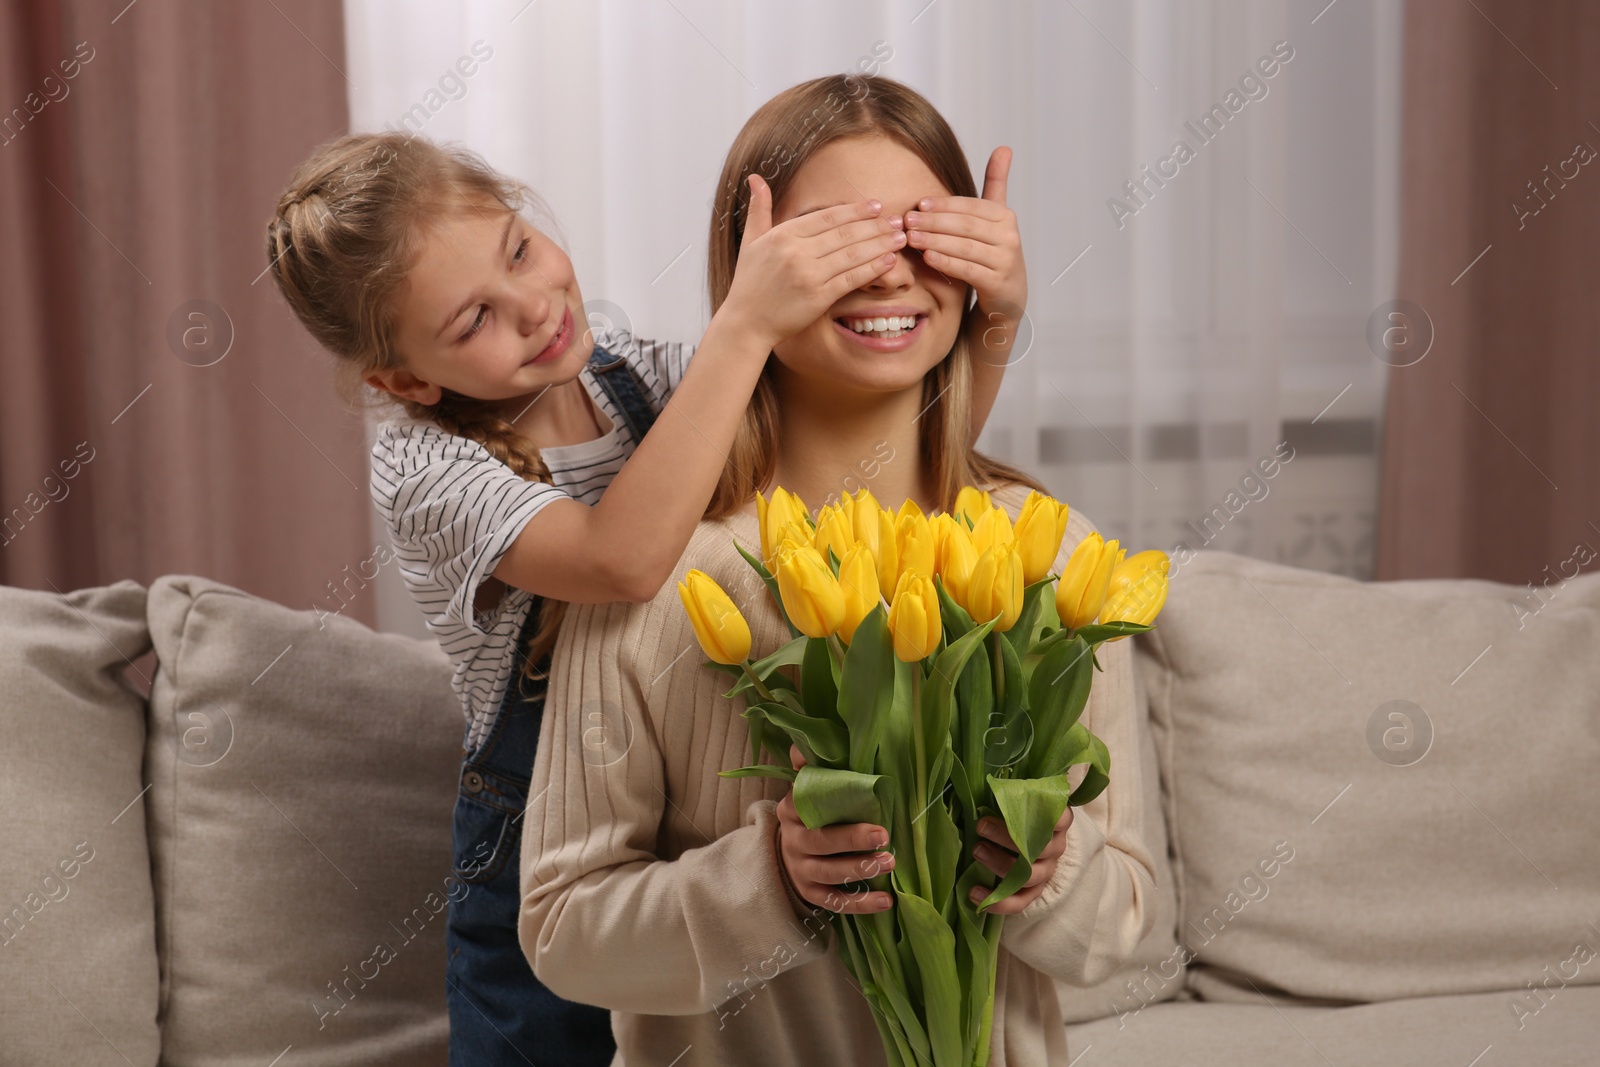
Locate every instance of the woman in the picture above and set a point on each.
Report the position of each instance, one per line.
(657, 889)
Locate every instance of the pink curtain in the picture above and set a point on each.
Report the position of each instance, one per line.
(1491, 452)
(162, 410)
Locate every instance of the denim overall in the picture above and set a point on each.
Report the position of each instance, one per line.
(500, 1013)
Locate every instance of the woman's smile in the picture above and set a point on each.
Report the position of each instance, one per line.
(882, 329)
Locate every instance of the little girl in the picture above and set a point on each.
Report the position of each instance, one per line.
(414, 265)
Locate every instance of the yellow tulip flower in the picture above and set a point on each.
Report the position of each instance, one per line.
(914, 543)
(993, 528)
(861, 508)
(886, 550)
(972, 502)
(1082, 588)
(772, 516)
(833, 531)
(1040, 527)
(941, 526)
(914, 617)
(957, 557)
(858, 580)
(791, 533)
(811, 594)
(996, 587)
(1138, 601)
(870, 525)
(722, 631)
(1132, 569)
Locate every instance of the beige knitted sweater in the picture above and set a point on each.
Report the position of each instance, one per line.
(651, 886)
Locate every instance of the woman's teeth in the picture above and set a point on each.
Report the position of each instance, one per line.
(886, 327)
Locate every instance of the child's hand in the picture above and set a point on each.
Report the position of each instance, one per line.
(789, 275)
(1000, 852)
(819, 861)
(975, 240)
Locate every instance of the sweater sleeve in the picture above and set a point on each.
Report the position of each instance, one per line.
(1100, 901)
(604, 918)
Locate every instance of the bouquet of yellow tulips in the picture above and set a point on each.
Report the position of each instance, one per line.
(955, 696)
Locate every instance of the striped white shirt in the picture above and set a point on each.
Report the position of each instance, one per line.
(453, 509)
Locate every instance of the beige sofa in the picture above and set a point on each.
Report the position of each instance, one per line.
(228, 823)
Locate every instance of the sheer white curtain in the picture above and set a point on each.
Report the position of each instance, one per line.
(1177, 341)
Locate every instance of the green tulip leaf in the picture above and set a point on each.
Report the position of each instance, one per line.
(789, 697)
(944, 854)
(764, 734)
(973, 717)
(1012, 684)
(818, 690)
(933, 943)
(758, 725)
(1066, 750)
(867, 688)
(1021, 633)
(1057, 693)
(1031, 807)
(761, 770)
(974, 958)
(1096, 778)
(955, 618)
(1097, 632)
(897, 1050)
(821, 741)
(938, 690)
(1075, 747)
(939, 775)
(1047, 640)
(961, 781)
(1007, 742)
(910, 976)
(791, 653)
(904, 1014)
(825, 796)
(772, 586)
(896, 755)
(1048, 618)
(1009, 733)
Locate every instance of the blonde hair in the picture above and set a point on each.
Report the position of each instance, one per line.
(818, 112)
(346, 231)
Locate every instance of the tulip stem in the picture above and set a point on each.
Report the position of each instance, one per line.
(836, 648)
(919, 828)
(766, 694)
(997, 666)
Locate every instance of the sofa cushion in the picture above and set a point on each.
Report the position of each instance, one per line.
(1456, 1030)
(78, 975)
(303, 774)
(1154, 972)
(1378, 790)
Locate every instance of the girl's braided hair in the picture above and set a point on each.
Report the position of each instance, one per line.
(346, 231)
